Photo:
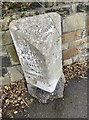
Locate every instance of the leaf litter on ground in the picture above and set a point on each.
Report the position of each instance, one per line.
(15, 100)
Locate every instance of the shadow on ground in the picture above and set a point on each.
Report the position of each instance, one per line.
(73, 105)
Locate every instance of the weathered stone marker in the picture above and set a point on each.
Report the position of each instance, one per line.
(38, 43)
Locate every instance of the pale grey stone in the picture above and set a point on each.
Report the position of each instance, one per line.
(38, 43)
(16, 73)
(44, 96)
(4, 23)
(6, 38)
(74, 8)
(31, 13)
(15, 17)
(67, 62)
(74, 22)
(84, 46)
(79, 58)
(5, 80)
(12, 54)
(3, 51)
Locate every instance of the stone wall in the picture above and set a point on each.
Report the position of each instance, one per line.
(74, 38)
(75, 33)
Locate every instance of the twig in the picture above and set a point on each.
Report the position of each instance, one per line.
(83, 77)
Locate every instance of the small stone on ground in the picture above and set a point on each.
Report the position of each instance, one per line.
(16, 73)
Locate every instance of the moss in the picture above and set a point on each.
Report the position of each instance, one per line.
(22, 15)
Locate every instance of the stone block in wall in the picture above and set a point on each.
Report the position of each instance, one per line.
(71, 36)
(16, 73)
(74, 22)
(12, 54)
(67, 54)
(5, 61)
(5, 80)
(79, 58)
(3, 71)
(6, 38)
(3, 51)
(87, 25)
(4, 23)
(78, 42)
(67, 62)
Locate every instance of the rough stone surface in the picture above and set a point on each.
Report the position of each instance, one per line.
(6, 38)
(79, 58)
(44, 96)
(78, 42)
(32, 13)
(5, 80)
(5, 61)
(38, 45)
(4, 23)
(67, 54)
(84, 45)
(3, 51)
(74, 22)
(3, 71)
(15, 17)
(16, 73)
(67, 62)
(72, 36)
(13, 54)
(87, 25)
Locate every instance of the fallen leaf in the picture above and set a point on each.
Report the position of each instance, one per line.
(72, 76)
(0, 115)
(31, 100)
(6, 87)
(19, 89)
(7, 101)
(15, 112)
(80, 49)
